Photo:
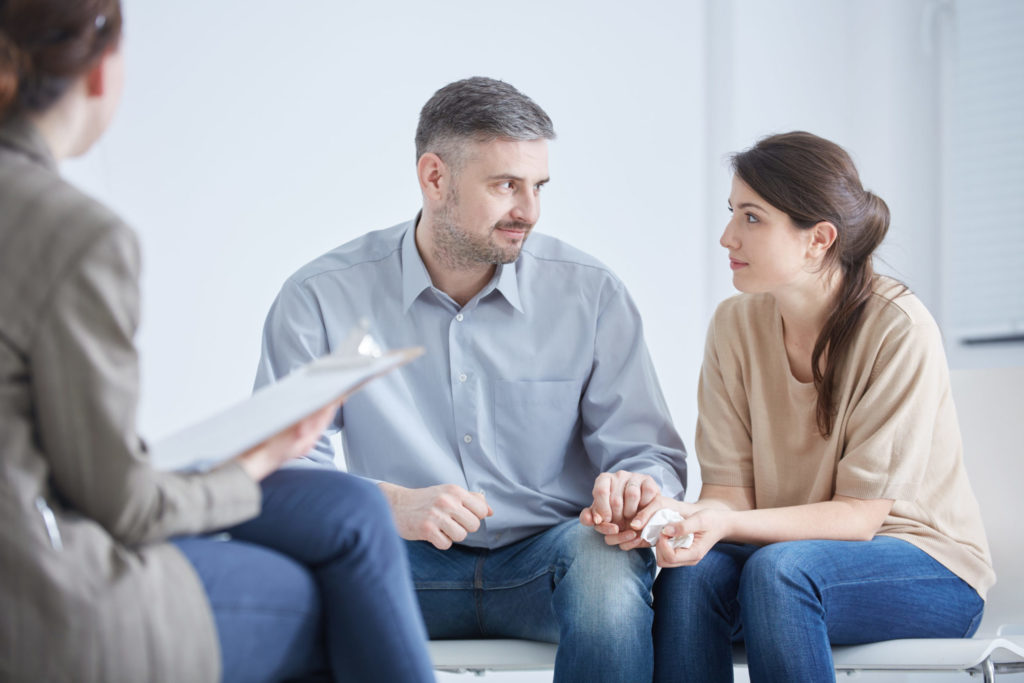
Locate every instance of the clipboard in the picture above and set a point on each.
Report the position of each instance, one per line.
(273, 408)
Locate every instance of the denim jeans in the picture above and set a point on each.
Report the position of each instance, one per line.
(563, 585)
(788, 601)
(319, 581)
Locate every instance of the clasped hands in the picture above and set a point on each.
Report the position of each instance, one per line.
(625, 501)
(623, 504)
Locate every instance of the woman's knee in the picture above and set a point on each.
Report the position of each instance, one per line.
(712, 581)
(327, 494)
(776, 572)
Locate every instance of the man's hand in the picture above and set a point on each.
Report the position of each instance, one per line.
(442, 515)
(617, 497)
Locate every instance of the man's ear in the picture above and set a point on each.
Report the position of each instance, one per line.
(823, 236)
(434, 176)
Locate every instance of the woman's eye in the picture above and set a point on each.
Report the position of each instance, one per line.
(751, 218)
(729, 207)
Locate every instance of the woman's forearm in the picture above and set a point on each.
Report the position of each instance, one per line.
(840, 519)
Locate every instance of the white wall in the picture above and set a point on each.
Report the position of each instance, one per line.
(254, 136)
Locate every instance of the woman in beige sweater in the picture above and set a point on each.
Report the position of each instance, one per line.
(835, 507)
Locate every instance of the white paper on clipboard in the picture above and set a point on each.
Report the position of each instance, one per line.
(273, 408)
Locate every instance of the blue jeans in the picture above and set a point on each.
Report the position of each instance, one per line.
(788, 601)
(563, 585)
(318, 582)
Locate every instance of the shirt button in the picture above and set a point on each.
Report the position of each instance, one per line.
(459, 317)
(467, 438)
(463, 377)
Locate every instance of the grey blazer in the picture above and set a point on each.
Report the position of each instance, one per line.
(90, 590)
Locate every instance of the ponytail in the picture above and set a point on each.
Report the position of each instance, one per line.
(813, 180)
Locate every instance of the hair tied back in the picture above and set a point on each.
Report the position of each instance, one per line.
(11, 61)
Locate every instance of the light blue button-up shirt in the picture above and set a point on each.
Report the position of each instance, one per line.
(538, 384)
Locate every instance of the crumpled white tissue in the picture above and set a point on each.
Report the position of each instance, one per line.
(659, 521)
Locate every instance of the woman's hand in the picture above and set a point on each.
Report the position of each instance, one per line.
(629, 538)
(708, 526)
(295, 441)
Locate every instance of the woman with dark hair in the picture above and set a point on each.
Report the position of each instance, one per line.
(835, 506)
(105, 571)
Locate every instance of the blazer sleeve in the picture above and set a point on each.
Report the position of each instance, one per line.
(85, 379)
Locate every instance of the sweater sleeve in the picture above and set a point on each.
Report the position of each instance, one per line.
(723, 439)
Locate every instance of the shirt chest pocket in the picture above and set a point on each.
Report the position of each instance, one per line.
(536, 423)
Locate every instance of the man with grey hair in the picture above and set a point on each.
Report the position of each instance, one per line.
(535, 407)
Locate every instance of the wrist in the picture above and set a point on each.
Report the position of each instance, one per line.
(392, 492)
(254, 463)
(729, 522)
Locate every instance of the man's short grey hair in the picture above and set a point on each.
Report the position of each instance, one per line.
(478, 109)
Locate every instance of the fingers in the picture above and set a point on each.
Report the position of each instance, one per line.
(439, 540)
(631, 491)
(644, 514)
(307, 431)
(618, 495)
(665, 553)
(621, 537)
(602, 509)
(475, 502)
(448, 514)
(649, 491)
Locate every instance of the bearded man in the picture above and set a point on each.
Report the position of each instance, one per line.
(535, 407)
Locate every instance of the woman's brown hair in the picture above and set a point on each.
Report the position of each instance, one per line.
(813, 180)
(46, 44)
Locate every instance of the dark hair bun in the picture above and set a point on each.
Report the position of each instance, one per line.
(46, 44)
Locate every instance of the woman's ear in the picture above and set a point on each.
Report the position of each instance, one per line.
(823, 236)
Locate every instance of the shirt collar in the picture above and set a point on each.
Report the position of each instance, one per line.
(508, 284)
(21, 134)
(415, 277)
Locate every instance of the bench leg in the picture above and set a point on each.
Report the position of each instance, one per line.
(988, 668)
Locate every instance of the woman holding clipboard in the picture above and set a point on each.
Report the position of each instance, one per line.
(105, 572)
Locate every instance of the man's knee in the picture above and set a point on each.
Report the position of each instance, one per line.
(597, 579)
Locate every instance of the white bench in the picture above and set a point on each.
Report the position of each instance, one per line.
(990, 407)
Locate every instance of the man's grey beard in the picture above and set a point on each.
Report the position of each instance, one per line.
(459, 250)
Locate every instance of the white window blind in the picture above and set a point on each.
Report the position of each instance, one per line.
(986, 172)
